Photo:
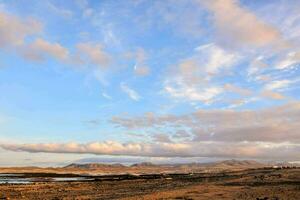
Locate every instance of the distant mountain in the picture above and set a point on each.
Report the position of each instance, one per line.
(227, 164)
(239, 163)
(144, 164)
(94, 166)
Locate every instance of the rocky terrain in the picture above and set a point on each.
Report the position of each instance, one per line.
(222, 180)
(267, 184)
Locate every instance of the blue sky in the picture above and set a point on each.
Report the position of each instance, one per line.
(158, 80)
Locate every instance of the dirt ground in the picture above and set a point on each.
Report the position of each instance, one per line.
(266, 184)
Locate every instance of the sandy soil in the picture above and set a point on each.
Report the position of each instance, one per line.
(268, 184)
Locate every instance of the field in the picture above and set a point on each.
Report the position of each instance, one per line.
(260, 183)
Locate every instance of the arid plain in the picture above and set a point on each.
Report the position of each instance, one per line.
(223, 180)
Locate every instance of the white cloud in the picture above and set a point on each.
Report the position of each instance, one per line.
(290, 60)
(106, 96)
(256, 65)
(192, 77)
(130, 92)
(279, 84)
(191, 93)
(214, 59)
(240, 102)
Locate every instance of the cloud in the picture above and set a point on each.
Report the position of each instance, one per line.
(106, 96)
(205, 95)
(240, 102)
(20, 35)
(130, 92)
(140, 57)
(179, 134)
(40, 50)
(256, 65)
(141, 70)
(238, 26)
(161, 149)
(278, 84)
(92, 54)
(161, 138)
(214, 59)
(14, 30)
(83, 5)
(60, 11)
(191, 78)
(272, 95)
(183, 18)
(93, 122)
(265, 125)
(289, 60)
(13, 34)
(241, 91)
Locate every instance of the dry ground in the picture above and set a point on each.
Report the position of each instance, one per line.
(269, 184)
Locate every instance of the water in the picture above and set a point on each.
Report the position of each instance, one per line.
(20, 179)
(15, 181)
(71, 179)
(5, 175)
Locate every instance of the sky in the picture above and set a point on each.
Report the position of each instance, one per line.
(139, 80)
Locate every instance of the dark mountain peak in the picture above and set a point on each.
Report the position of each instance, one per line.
(234, 162)
(143, 164)
(92, 165)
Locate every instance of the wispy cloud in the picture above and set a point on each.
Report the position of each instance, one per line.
(141, 70)
(279, 84)
(215, 59)
(241, 91)
(289, 60)
(192, 77)
(106, 96)
(130, 92)
(192, 93)
(273, 95)
(65, 13)
(140, 57)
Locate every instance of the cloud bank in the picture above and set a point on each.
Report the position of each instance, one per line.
(274, 124)
(194, 149)
(270, 133)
